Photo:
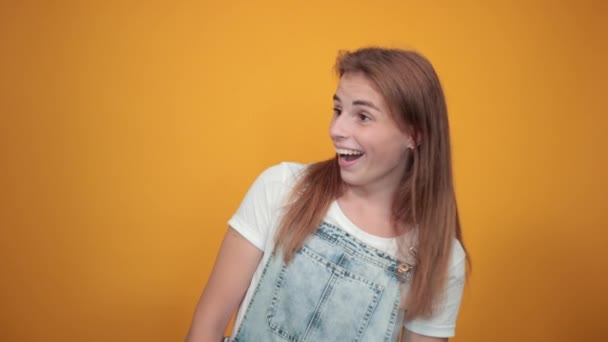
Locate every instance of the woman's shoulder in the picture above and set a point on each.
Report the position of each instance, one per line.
(457, 259)
(283, 172)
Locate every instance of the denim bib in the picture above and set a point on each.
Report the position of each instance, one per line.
(336, 288)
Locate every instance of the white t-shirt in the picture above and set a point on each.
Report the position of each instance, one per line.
(257, 220)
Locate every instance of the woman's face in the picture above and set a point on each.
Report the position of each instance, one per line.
(371, 149)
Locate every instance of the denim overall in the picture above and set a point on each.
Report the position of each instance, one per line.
(336, 288)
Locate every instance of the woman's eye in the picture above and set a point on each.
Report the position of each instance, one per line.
(337, 111)
(364, 117)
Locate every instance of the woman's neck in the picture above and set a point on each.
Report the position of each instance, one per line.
(371, 211)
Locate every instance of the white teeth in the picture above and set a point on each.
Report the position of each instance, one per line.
(348, 152)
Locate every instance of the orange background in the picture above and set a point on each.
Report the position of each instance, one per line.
(130, 131)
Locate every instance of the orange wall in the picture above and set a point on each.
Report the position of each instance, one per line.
(129, 132)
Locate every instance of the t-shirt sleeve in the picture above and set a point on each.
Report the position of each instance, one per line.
(258, 214)
(443, 321)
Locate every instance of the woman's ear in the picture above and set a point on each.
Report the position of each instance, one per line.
(413, 140)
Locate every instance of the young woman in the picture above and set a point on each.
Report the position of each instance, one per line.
(359, 246)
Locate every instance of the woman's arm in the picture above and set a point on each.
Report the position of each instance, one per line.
(234, 267)
(409, 336)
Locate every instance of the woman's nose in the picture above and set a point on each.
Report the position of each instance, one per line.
(338, 129)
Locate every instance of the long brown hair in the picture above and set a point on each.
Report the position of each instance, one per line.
(425, 197)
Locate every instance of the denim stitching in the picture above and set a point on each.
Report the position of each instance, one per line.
(255, 292)
(351, 246)
(319, 308)
(337, 238)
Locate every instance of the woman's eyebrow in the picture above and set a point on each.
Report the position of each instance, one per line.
(359, 103)
(365, 103)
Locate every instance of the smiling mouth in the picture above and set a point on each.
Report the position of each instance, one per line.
(348, 155)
